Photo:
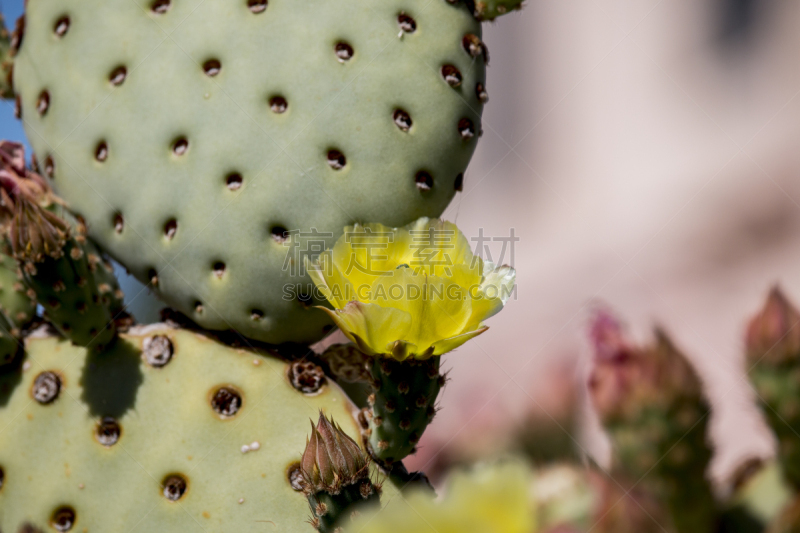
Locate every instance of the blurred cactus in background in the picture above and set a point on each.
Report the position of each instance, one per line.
(773, 361)
(651, 402)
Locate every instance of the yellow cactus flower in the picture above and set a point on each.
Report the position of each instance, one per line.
(416, 291)
(490, 498)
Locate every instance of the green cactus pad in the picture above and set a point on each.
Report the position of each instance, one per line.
(667, 452)
(140, 438)
(192, 135)
(403, 404)
(73, 300)
(10, 345)
(491, 9)
(14, 302)
(778, 392)
(773, 366)
(106, 281)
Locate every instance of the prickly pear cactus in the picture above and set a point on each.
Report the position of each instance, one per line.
(14, 302)
(190, 137)
(651, 401)
(166, 431)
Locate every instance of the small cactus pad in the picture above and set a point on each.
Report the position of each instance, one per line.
(165, 431)
(212, 145)
(14, 302)
(650, 400)
(72, 299)
(773, 365)
(61, 275)
(491, 9)
(403, 404)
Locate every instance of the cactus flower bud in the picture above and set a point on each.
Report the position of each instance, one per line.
(332, 459)
(335, 473)
(17, 181)
(627, 378)
(36, 233)
(774, 333)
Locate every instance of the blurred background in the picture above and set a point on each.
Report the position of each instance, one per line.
(645, 155)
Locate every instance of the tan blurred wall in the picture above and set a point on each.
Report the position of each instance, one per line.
(643, 164)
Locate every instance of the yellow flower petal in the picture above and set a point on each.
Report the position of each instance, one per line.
(498, 281)
(446, 345)
(373, 328)
(330, 282)
(439, 308)
(493, 498)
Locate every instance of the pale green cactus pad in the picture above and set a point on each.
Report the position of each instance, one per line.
(192, 135)
(104, 442)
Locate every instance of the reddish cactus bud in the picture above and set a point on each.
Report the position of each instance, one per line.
(626, 378)
(332, 459)
(774, 333)
(17, 182)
